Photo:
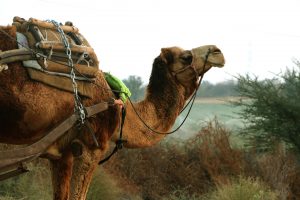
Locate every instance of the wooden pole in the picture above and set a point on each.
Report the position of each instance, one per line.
(59, 46)
(45, 24)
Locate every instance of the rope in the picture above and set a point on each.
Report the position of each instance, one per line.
(192, 100)
(119, 142)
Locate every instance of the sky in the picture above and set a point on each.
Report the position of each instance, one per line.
(260, 37)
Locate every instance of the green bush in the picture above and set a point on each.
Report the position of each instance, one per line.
(273, 111)
(136, 87)
(222, 89)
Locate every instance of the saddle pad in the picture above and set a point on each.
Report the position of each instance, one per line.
(45, 38)
(54, 70)
(63, 83)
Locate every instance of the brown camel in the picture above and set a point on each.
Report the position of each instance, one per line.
(29, 109)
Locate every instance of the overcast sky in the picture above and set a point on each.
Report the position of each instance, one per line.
(261, 37)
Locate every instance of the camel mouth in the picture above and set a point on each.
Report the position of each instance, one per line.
(218, 56)
(216, 51)
(207, 56)
(219, 65)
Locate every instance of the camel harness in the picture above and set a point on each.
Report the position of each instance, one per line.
(54, 54)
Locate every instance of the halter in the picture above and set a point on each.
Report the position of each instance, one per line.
(179, 71)
(192, 68)
(192, 99)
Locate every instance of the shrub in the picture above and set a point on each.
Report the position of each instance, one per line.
(273, 112)
(195, 166)
(212, 150)
(279, 169)
(179, 171)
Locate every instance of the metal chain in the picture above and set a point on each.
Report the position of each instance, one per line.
(78, 105)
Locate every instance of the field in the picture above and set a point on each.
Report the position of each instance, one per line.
(206, 109)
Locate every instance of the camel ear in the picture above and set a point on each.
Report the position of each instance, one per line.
(166, 55)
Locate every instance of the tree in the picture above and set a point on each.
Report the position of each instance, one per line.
(272, 112)
(222, 89)
(135, 85)
(205, 88)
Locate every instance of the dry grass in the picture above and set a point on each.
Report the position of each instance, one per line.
(211, 147)
(243, 189)
(104, 186)
(279, 169)
(194, 168)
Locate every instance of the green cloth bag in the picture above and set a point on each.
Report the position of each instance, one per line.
(117, 84)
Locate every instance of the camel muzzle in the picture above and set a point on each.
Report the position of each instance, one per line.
(207, 56)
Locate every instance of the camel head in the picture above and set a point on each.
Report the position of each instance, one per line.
(188, 65)
(201, 59)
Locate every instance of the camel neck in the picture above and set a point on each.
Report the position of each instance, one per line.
(158, 111)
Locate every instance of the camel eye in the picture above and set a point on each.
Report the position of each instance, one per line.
(187, 57)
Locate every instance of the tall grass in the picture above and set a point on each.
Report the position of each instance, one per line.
(243, 189)
(34, 185)
(104, 187)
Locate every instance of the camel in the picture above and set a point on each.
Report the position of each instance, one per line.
(29, 109)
